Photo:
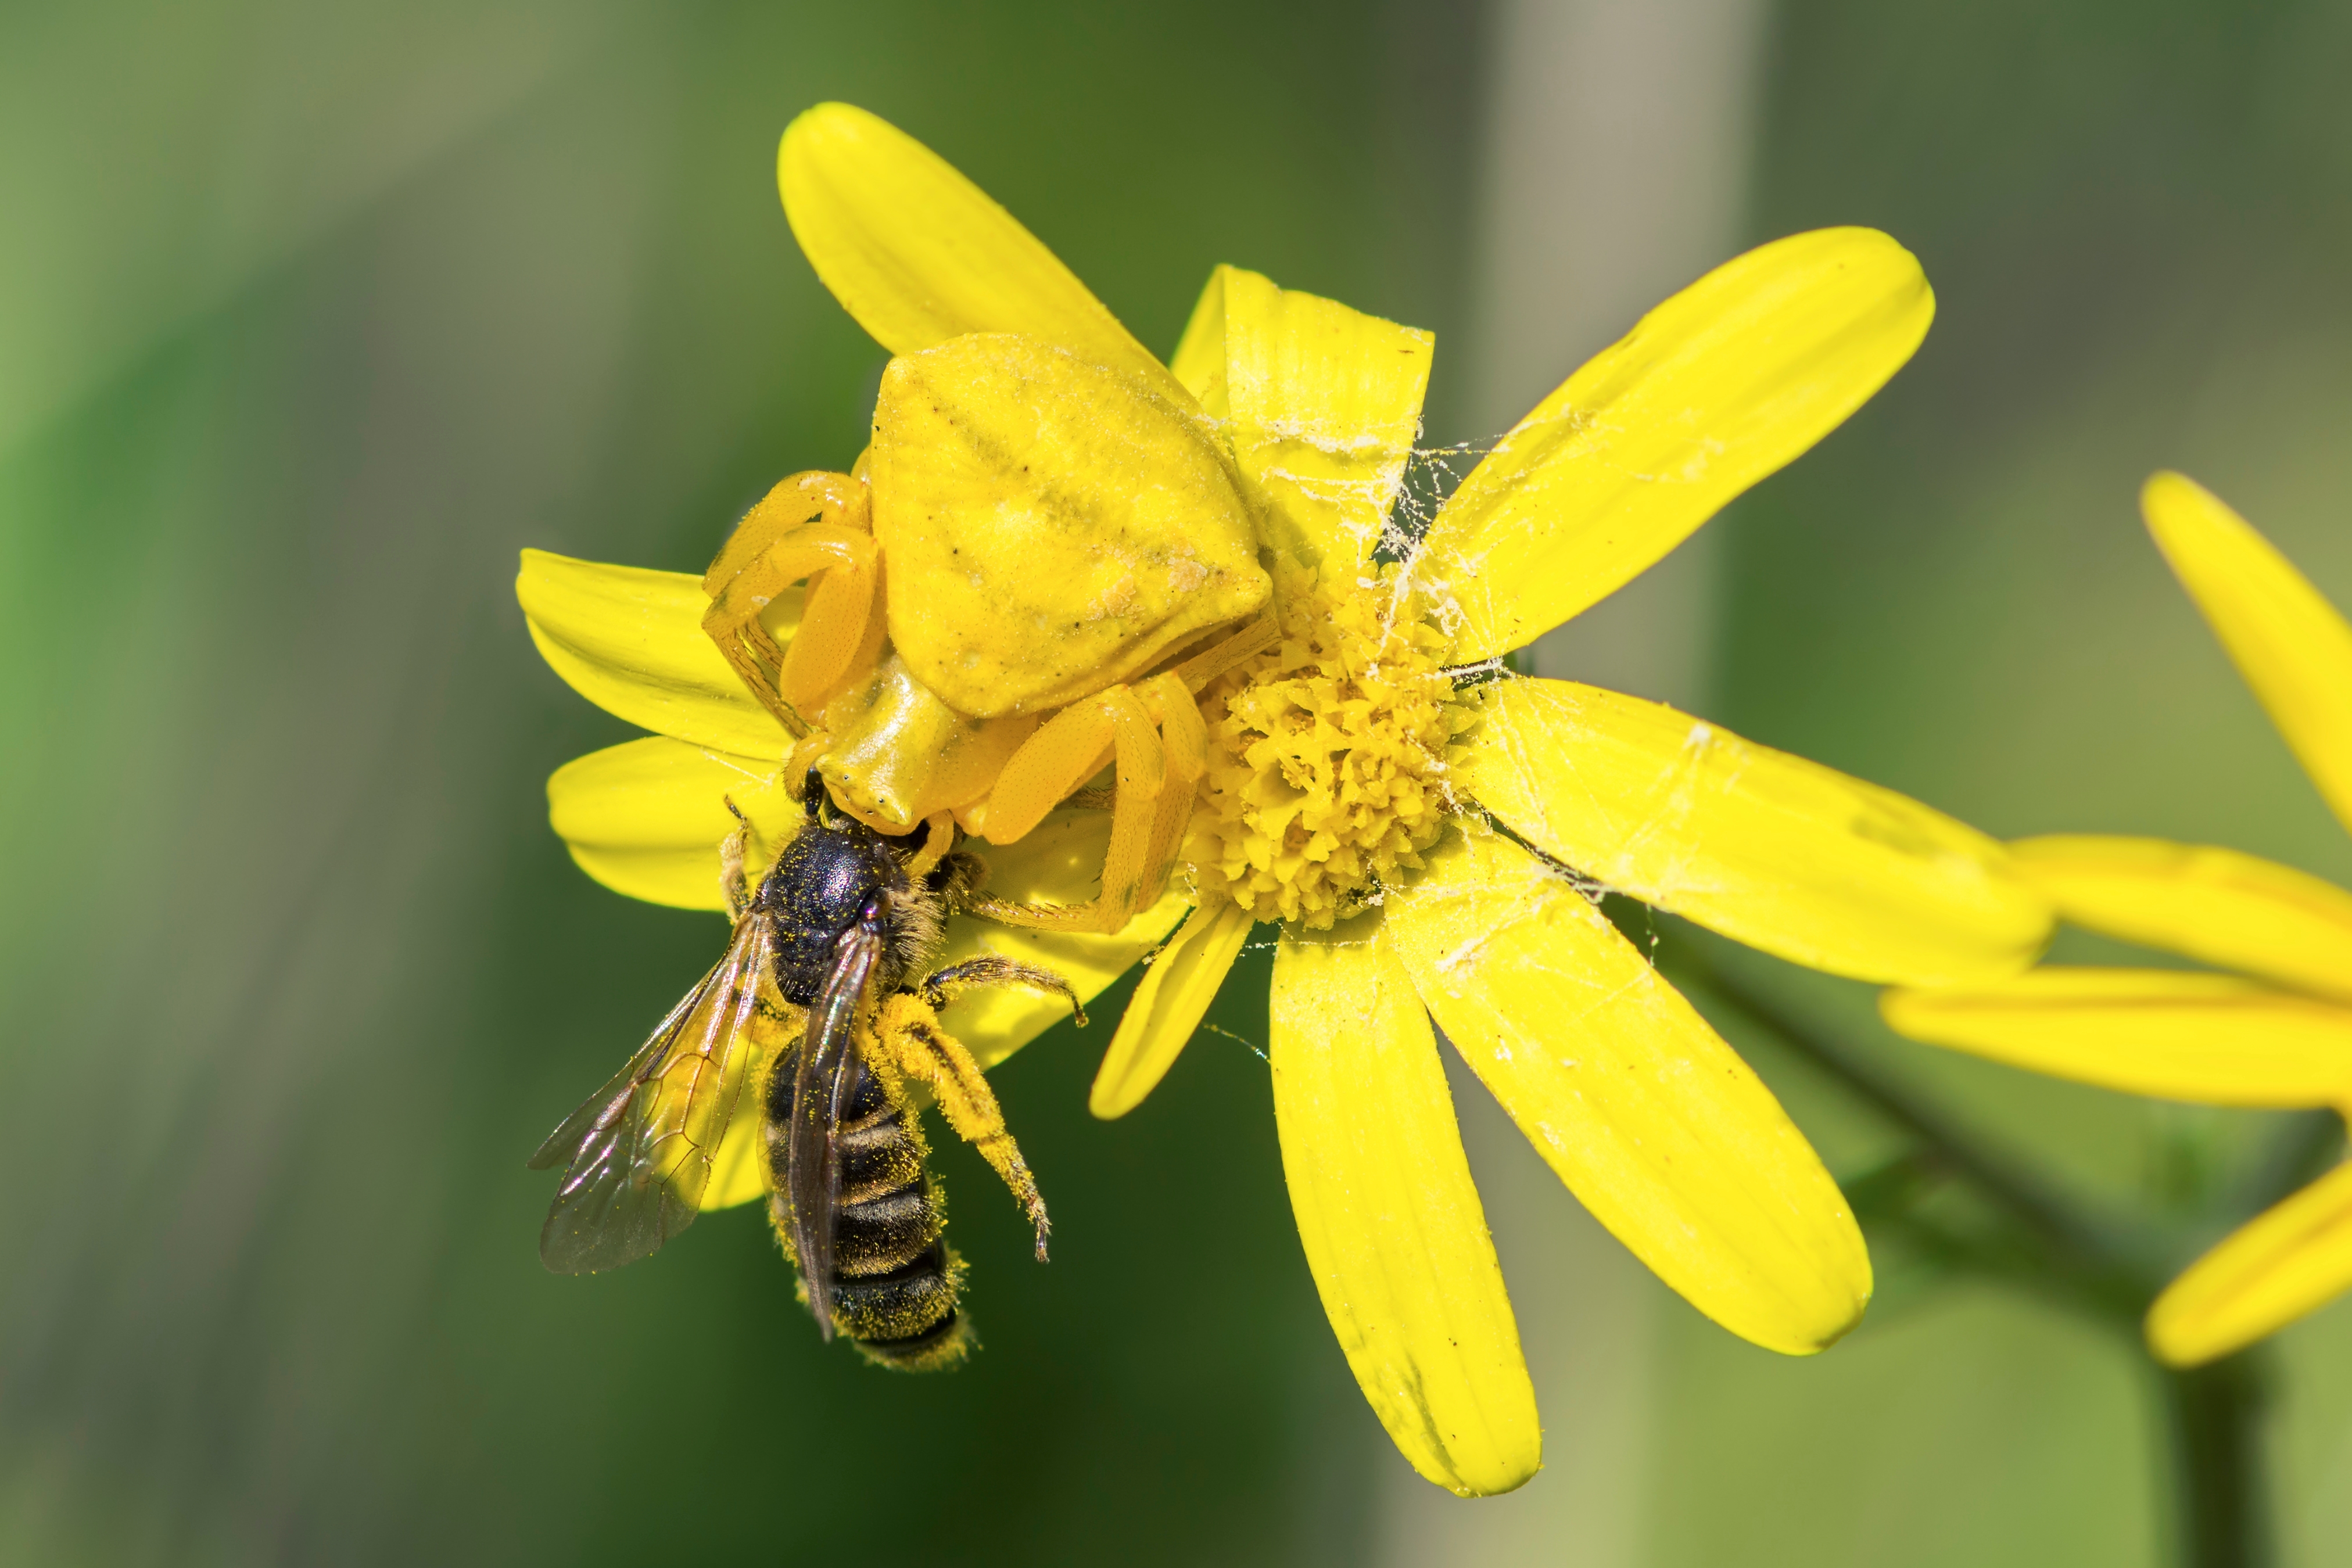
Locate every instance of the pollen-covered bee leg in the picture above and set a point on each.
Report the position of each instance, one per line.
(812, 526)
(1055, 761)
(908, 1032)
(944, 985)
(959, 875)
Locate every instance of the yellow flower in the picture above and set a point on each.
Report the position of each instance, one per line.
(1410, 826)
(2280, 1039)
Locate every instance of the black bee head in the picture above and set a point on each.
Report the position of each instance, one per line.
(833, 872)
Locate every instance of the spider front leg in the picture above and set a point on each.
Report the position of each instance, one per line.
(1154, 734)
(907, 1032)
(814, 526)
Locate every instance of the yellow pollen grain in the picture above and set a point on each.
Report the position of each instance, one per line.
(1327, 753)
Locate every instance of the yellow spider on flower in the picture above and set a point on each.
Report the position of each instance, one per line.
(1061, 555)
(2277, 1035)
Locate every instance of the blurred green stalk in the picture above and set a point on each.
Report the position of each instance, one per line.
(2042, 1240)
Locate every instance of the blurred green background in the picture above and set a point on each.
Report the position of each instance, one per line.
(311, 315)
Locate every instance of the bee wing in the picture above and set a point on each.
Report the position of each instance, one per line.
(637, 1154)
(812, 1171)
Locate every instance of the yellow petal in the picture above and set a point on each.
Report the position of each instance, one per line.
(2216, 904)
(919, 254)
(1059, 862)
(631, 641)
(2287, 641)
(1322, 405)
(1780, 852)
(2212, 1039)
(1391, 1221)
(1724, 383)
(1199, 362)
(647, 818)
(1168, 1003)
(1653, 1121)
(2283, 1263)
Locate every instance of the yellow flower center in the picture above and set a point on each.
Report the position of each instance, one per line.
(1327, 753)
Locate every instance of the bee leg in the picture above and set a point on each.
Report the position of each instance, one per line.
(959, 875)
(908, 1033)
(732, 849)
(1155, 735)
(813, 525)
(945, 985)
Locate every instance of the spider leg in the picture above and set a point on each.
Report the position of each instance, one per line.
(1198, 671)
(1184, 741)
(812, 526)
(1060, 756)
(939, 838)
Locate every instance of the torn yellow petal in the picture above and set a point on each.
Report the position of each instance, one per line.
(1168, 1003)
(2215, 1040)
(2217, 904)
(631, 641)
(1655, 1123)
(1322, 404)
(2290, 645)
(1059, 861)
(1392, 1224)
(919, 254)
(647, 818)
(2283, 1263)
(1724, 383)
(1774, 851)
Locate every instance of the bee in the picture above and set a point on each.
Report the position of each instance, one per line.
(817, 1006)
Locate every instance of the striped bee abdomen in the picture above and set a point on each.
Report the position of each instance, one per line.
(895, 1279)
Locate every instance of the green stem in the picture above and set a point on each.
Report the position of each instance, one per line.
(2306, 1143)
(2213, 1415)
(2095, 1267)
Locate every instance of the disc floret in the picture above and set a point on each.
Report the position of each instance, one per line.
(1328, 753)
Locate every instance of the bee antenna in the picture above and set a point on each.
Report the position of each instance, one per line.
(813, 794)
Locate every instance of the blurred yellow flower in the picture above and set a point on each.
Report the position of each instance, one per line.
(2281, 1038)
(1380, 785)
